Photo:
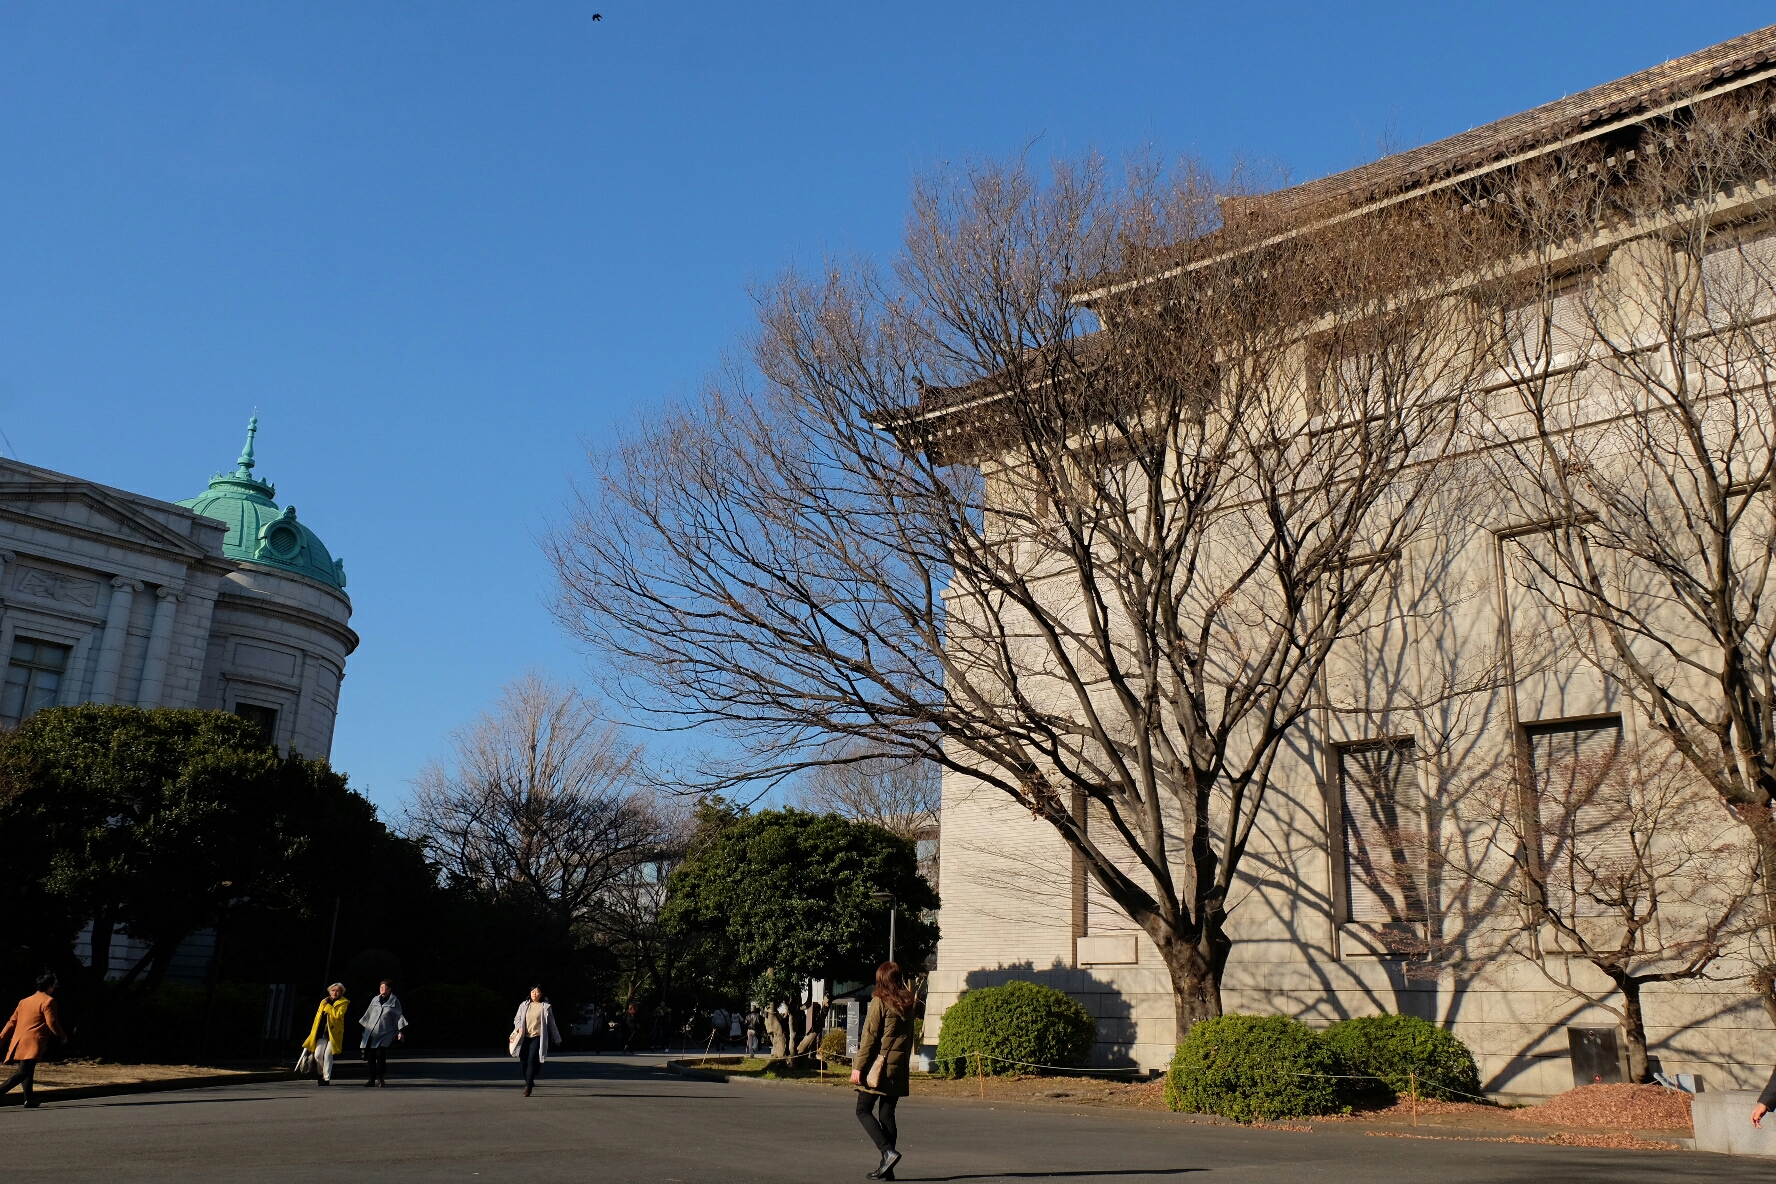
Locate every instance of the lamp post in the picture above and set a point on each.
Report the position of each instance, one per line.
(889, 897)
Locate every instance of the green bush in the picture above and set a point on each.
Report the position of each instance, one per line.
(1396, 1047)
(832, 1047)
(1018, 1022)
(455, 1015)
(175, 1024)
(1247, 1067)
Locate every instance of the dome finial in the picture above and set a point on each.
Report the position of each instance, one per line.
(246, 457)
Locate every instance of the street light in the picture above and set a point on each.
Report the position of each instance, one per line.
(889, 897)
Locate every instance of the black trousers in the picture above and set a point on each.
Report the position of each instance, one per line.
(879, 1126)
(530, 1053)
(376, 1062)
(25, 1075)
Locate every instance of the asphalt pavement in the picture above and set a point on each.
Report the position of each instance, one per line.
(612, 1119)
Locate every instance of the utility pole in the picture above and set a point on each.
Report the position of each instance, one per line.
(327, 972)
(889, 897)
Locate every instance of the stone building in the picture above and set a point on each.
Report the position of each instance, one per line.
(222, 601)
(1310, 927)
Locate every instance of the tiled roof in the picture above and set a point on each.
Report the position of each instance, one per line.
(1539, 126)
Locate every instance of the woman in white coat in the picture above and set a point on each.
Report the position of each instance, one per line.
(533, 1030)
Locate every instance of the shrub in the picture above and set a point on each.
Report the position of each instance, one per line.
(1247, 1067)
(1019, 1022)
(1396, 1047)
(177, 1024)
(455, 1015)
(832, 1046)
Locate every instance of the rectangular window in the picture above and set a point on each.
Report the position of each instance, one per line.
(265, 717)
(33, 679)
(1386, 851)
(1584, 815)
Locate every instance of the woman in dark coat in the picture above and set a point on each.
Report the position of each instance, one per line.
(887, 1038)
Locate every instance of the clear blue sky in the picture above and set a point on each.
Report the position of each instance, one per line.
(438, 245)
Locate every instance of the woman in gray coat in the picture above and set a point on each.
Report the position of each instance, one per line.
(382, 1022)
(883, 1068)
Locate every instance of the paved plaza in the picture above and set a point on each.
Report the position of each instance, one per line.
(626, 1119)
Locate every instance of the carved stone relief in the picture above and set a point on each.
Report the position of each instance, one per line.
(51, 585)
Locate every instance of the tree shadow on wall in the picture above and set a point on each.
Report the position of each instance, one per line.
(1117, 1028)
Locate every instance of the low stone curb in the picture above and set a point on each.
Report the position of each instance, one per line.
(73, 1093)
(683, 1070)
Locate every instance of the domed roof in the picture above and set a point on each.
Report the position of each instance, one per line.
(258, 531)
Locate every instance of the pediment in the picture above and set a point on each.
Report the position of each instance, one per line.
(81, 507)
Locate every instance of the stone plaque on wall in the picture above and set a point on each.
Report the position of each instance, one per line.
(33, 581)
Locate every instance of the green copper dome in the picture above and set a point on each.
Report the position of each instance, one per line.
(258, 531)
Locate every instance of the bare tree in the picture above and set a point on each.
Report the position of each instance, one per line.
(541, 800)
(1621, 862)
(1073, 503)
(894, 793)
(1635, 423)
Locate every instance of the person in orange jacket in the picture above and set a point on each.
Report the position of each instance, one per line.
(27, 1036)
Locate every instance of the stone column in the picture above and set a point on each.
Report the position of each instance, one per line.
(160, 642)
(123, 594)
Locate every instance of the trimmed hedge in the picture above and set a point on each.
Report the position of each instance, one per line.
(1393, 1047)
(1020, 1022)
(832, 1047)
(1248, 1067)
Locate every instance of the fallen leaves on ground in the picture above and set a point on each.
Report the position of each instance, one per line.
(1617, 1142)
(1619, 1107)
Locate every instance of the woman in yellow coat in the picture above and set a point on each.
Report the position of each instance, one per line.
(328, 1042)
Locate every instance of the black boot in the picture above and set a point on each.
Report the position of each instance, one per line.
(890, 1157)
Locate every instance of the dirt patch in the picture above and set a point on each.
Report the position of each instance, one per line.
(1605, 1116)
(1619, 1107)
(1620, 1142)
(1427, 1109)
(1065, 1091)
(76, 1073)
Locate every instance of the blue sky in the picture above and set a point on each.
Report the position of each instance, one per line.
(441, 246)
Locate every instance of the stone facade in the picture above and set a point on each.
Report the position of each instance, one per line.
(1307, 940)
(137, 602)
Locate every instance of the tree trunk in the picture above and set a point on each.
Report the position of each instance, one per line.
(103, 926)
(779, 1033)
(1196, 983)
(1634, 1024)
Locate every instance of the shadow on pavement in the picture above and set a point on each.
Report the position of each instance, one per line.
(205, 1101)
(1054, 1175)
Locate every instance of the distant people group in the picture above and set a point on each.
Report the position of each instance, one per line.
(382, 1023)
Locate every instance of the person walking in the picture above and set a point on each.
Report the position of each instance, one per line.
(533, 1029)
(754, 1021)
(736, 1028)
(884, 1064)
(812, 1016)
(382, 1022)
(326, 1037)
(718, 1029)
(27, 1035)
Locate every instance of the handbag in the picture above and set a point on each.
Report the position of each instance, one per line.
(512, 1043)
(873, 1078)
(305, 1064)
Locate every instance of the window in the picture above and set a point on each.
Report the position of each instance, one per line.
(265, 717)
(33, 679)
(1584, 818)
(1386, 852)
